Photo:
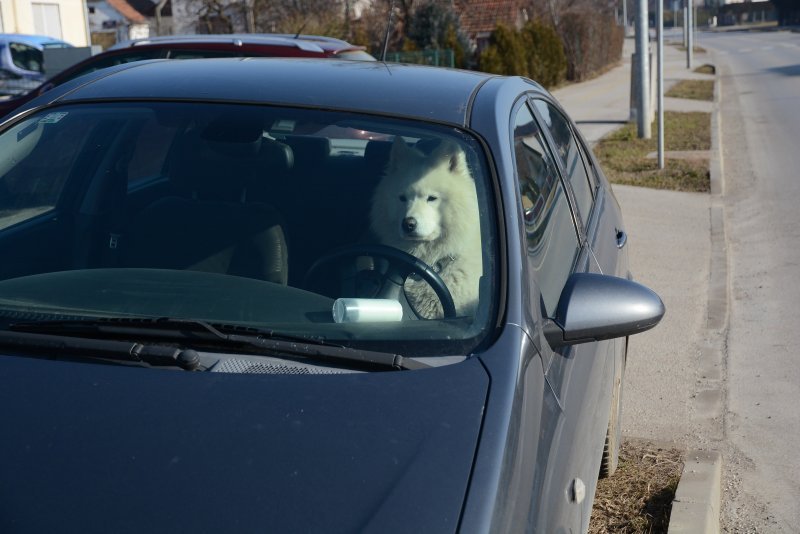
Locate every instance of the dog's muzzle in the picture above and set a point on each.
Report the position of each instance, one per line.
(409, 225)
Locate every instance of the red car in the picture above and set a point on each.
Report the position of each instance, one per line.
(200, 46)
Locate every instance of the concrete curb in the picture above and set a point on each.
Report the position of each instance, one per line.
(696, 507)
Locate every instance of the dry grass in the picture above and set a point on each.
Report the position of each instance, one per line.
(623, 155)
(695, 48)
(638, 497)
(693, 89)
(706, 69)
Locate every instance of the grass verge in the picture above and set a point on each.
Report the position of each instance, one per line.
(696, 49)
(623, 155)
(706, 69)
(638, 497)
(693, 89)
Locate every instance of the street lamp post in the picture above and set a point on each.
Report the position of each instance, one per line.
(660, 79)
(641, 71)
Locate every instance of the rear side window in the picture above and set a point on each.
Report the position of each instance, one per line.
(552, 241)
(569, 153)
(26, 57)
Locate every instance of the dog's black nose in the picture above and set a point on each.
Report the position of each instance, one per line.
(409, 224)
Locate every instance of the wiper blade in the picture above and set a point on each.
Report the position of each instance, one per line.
(50, 345)
(260, 339)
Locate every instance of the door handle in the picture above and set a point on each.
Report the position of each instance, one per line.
(622, 238)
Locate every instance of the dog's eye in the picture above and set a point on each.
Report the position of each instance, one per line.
(432, 198)
(403, 198)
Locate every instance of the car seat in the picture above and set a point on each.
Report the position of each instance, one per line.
(211, 226)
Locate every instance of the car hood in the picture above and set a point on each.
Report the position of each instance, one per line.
(107, 448)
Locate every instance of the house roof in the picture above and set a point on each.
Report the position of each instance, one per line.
(127, 11)
(479, 16)
(148, 8)
(138, 11)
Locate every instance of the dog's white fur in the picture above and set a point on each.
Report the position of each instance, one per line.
(438, 193)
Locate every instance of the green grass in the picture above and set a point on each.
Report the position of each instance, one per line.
(624, 156)
(693, 89)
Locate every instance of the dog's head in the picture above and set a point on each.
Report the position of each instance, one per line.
(415, 201)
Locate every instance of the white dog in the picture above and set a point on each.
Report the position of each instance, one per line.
(427, 205)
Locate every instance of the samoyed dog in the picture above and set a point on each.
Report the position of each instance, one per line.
(427, 205)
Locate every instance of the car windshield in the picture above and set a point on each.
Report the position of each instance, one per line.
(369, 231)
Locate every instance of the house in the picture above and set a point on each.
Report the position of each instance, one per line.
(113, 21)
(479, 18)
(61, 19)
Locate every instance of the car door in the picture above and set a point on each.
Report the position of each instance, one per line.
(600, 221)
(557, 247)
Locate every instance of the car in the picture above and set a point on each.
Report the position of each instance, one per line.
(22, 61)
(177, 47)
(205, 324)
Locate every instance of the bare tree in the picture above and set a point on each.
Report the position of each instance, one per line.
(324, 17)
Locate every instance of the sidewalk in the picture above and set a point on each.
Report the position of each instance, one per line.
(671, 395)
(602, 104)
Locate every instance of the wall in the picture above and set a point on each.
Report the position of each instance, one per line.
(17, 17)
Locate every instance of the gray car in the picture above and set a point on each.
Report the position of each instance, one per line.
(307, 296)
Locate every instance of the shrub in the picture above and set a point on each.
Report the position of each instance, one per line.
(591, 42)
(505, 53)
(546, 61)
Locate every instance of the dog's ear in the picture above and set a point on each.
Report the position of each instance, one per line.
(450, 151)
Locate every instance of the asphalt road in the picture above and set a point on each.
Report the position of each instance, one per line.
(760, 115)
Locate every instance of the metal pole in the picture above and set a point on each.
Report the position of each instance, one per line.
(641, 71)
(660, 80)
(625, 16)
(683, 25)
(689, 34)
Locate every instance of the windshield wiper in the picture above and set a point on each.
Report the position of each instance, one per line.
(49, 345)
(226, 335)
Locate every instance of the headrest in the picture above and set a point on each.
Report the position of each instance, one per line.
(222, 160)
(233, 136)
(376, 155)
(309, 150)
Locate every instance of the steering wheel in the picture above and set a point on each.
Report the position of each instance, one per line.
(401, 266)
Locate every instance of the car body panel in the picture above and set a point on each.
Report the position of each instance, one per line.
(444, 96)
(22, 74)
(401, 445)
(181, 47)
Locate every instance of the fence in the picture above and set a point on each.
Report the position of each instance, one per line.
(437, 58)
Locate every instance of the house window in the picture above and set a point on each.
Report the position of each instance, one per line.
(47, 20)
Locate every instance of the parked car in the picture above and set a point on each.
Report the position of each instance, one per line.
(203, 328)
(179, 47)
(22, 61)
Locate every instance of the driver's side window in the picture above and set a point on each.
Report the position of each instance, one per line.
(552, 240)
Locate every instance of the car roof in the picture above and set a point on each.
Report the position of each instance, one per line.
(38, 41)
(311, 43)
(413, 91)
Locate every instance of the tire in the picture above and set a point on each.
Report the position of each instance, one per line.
(610, 459)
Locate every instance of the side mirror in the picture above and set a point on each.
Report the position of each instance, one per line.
(593, 307)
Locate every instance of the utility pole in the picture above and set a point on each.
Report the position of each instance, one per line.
(689, 34)
(660, 79)
(683, 24)
(641, 72)
(625, 16)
